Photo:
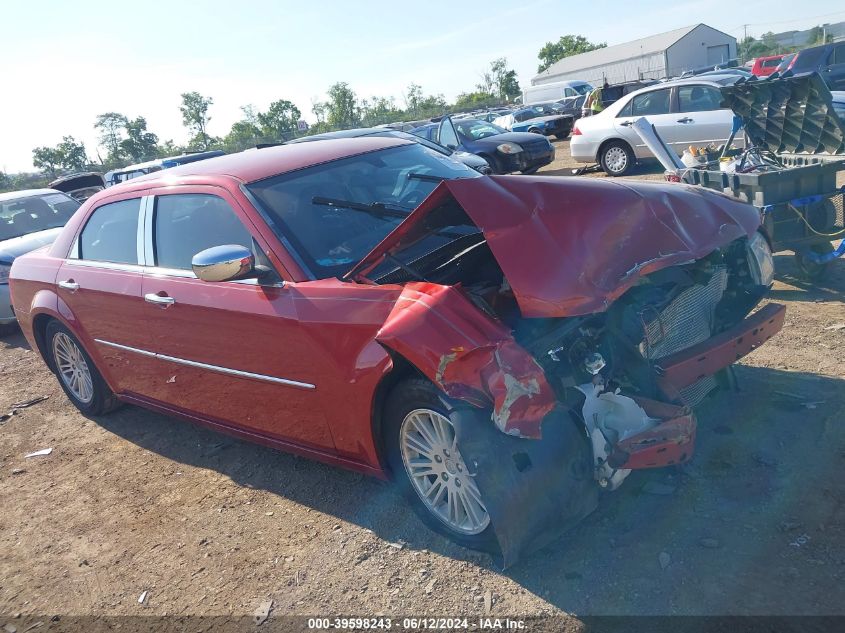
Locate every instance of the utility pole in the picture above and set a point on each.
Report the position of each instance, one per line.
(745, 42)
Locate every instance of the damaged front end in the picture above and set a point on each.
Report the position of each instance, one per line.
(584, 321)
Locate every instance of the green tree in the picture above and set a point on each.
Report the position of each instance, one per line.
(342, 108)
(473, 100)
(140, 145)
(195, 117)
(67, 155)
(279, 122)
(110, 125)
(379, 110)
(566, 46)
(504, 80)
(72, 154)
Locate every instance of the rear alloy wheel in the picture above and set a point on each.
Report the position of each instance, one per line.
(426, 462)
(535, 130)
(616, 158)
(76, 372)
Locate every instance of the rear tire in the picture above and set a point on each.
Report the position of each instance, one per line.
(78, 376)
(420, 438)
(616, 158)
(534, 130)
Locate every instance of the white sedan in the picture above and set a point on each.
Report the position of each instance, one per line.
(685, 112)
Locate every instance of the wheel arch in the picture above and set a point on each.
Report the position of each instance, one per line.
(613, 139)
(402, 369)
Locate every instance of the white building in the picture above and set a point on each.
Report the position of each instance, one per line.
(664, 55)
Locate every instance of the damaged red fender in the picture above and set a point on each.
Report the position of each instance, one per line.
(572, 246)
(469, 356)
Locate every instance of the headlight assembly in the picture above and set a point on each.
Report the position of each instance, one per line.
(509, 148)
(760, 260)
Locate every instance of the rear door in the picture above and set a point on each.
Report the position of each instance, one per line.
(100, 286)
(699, 119)
(233, 351)
(655, 106)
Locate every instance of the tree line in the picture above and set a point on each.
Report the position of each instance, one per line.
(124, 140)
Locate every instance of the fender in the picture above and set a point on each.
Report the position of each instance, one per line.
(469, 356)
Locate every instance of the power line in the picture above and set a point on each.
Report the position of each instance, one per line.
(810, 17)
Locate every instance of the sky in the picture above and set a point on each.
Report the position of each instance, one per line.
(63, 63)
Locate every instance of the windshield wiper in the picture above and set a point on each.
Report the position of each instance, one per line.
(427, 177)
(374, 208)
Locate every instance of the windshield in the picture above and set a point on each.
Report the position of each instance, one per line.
(334, 214)
(475, 130)
(21, 216)
(583, 89)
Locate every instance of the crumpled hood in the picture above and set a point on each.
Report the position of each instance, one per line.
(17, 246)
(572, 246)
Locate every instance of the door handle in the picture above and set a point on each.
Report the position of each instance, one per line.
(686, 119)
(626, 123)
(158, 300)
(70, 284)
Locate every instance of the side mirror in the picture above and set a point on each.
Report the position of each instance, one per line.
(224, 263)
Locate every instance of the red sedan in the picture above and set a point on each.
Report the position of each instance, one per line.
(503, 347)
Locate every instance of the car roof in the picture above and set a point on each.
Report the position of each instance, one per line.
(26, 193)
(256, 165)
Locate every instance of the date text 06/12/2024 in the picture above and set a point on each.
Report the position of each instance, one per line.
(416, 624)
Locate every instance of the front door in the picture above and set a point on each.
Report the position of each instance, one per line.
(231, 351)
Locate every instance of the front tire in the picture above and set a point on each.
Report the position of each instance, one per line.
(77, 374)
(427, 465)
(616, 158)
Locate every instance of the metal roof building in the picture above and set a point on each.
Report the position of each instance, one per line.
(663, 55)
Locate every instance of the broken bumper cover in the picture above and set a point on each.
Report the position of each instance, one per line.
(670, 442)
(683, 368)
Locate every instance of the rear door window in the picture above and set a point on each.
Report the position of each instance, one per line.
(654, 102)
(698, 98)
(186, 224)
(838, 55)
(111, 233)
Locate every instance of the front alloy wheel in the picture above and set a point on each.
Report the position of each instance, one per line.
(424, 456)
(438, 473)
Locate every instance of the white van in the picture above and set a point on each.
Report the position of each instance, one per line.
(555, 91)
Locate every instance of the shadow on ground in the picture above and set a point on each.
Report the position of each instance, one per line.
(753, 525)
(13, 337)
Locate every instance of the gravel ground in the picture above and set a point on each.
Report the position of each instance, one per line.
(138, 503)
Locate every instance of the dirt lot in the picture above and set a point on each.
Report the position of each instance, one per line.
(138, 502)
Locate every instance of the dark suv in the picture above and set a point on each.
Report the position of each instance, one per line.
(828, 60)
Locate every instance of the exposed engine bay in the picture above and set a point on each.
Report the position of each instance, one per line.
(605, 368)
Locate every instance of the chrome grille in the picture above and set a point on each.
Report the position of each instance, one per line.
(684, 322)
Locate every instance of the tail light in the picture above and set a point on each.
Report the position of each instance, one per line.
(576, 131)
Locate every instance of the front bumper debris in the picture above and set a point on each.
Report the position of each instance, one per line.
(683, 368)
